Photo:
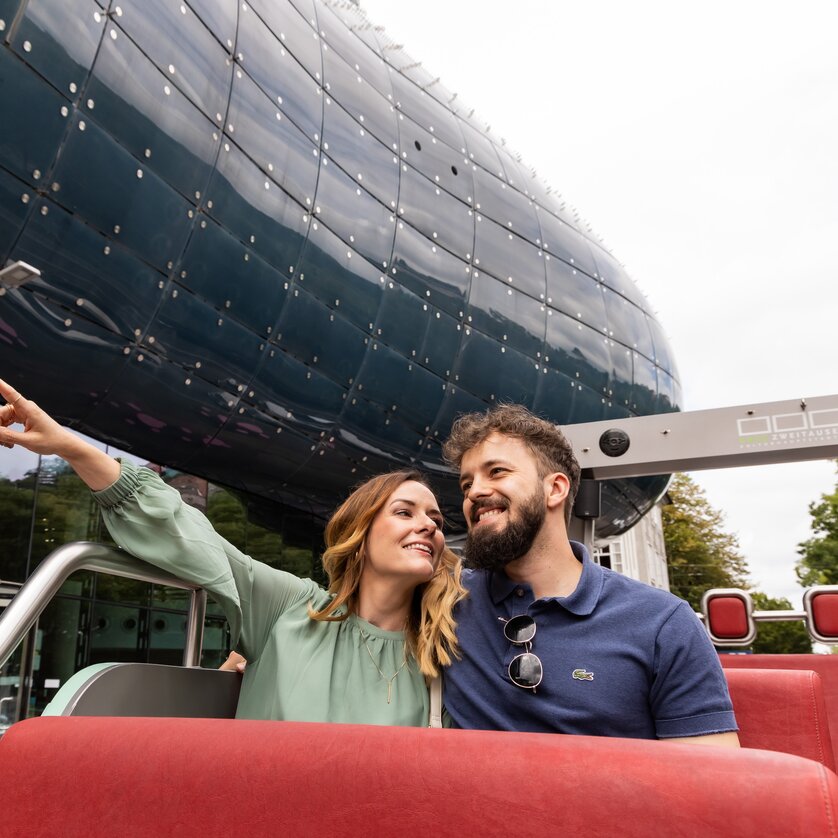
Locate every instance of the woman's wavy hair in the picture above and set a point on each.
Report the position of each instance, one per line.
(431, 628)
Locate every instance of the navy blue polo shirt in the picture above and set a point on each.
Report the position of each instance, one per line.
(620, 658)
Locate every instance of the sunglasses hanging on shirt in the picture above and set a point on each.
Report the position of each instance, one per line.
(525, 670)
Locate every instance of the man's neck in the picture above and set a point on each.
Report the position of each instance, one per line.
(548, 567)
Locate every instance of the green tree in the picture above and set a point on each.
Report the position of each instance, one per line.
(818, 563)
(699, 553)
(786, 638)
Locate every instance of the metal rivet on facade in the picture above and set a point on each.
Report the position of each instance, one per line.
(90, 104)
(140, 173)
(174, 293)
(64, 110)
(44, 210)
(107, 250)
(113, 34)
(24, 198)
(167, 90)
(82, 125)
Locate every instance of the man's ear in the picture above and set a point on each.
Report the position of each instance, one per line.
(557, 487)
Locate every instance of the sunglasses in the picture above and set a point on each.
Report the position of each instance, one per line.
(525, 670)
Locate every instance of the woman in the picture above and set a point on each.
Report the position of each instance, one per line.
(360, 652)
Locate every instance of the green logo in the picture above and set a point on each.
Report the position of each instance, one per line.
(583, 675)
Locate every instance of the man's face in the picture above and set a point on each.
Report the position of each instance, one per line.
(503, 501)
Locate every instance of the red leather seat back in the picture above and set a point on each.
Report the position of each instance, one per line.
(782, 710)
(82, 776)
(825, 665)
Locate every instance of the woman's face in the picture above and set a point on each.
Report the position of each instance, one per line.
(405, 538)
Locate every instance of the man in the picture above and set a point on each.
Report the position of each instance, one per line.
(550, 641)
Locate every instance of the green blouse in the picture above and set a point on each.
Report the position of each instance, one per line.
(297, 668)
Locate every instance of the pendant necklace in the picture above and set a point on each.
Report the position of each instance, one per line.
(383, 676)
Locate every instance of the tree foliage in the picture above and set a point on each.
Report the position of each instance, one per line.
(818, 563)
(700, 554)
(786, 638)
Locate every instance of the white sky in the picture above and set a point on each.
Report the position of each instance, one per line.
(699, 140)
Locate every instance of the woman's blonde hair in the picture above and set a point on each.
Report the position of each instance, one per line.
(431, 629)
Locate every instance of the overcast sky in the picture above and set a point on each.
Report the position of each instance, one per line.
(699, 141)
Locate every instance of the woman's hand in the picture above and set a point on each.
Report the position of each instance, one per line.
(41, 434)
(234, 663)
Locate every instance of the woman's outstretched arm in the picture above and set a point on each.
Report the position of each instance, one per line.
(41, 434)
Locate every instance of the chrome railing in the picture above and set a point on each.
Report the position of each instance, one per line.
(26, 606)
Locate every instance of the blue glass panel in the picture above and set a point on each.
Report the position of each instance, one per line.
(272, 141)
(351, 285)
(321, 338)
(514, 171)
(307, 9)
(176, 40)
(442, 343)
(494, 372)
(644, 392)
(138, 208)
(361, 155)
(429, 271)
(480, 150)
(615, 276)
(402, 321)
(506, 314)
(669, 393)
(220, 17)
(440, 163)
(436, 214)
(13, 211)
(293, 30)
(662, 355)
(8, 10)
(257, 211)
(622, 375)
(627, 323)
(48, 28)
(426, 111)
(89, 274)
(136, 104)
(575, 293)
(579, 352)
(355, 19)
(588, 405)
(511, 209)
(33, 122)
(296, 394)
(554, 395)
(359, 219)
(509, 257)
(381, 428)
(201, 339)
(364, 103)
(457, 401)
(280, 75)
(402, 386)
(563, 241)
(235, 281)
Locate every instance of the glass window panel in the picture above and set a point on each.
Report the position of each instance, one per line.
(554, 395)
(615, 276)
(280, 75)
(292, 29)
(514, 171)
(403, 320)
(121, 589)
(119, 292)
(663, 353)
(256, 211)
(136, 103)
(33, 124)
(320, 337)
(407, 390)
(493, 372)
(436, 214)
(151, 217)
(441, 164)
(172, 35)
(627, 323)
(513, 210)
(507, 315)
(187, 329)
(220, 17)
(442, 343)
(509, 258)
(644, 392)
(588, 405)
(239, 283)
(395, 439)
(547, 200)
(164, 596)
(374, 166)
(669, 393)
(622, 374)
(481, 152)
(563, 241)
(432, 273)
(457, 401)
(166, 638)
(329, 273)
(117, 633)
(359, 219)
(364, 103)
(216, 644)
(13, 211)
(575, 293)
(271, 140)
(355, 18)
(18, 476)
(414, 103)
(62, 39)
(306, 9)
(577, 351)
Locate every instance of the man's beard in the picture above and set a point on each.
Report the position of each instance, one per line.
(490, 549)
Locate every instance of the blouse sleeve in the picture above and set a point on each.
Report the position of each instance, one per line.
(149, 519)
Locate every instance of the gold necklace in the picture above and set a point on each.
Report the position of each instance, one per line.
(383, 676)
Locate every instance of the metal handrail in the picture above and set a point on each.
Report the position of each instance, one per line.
(30, 601)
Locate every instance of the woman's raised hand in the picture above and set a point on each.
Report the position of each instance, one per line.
(41, 434)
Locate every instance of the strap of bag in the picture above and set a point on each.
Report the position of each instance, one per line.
(435, 688)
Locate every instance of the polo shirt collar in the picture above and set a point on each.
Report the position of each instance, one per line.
(581, 602)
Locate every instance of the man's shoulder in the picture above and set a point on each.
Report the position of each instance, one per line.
(617, 585)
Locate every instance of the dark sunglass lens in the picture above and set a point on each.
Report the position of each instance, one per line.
(520, 629)
(526, 671)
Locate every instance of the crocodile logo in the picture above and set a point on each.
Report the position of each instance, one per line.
(583, 675)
